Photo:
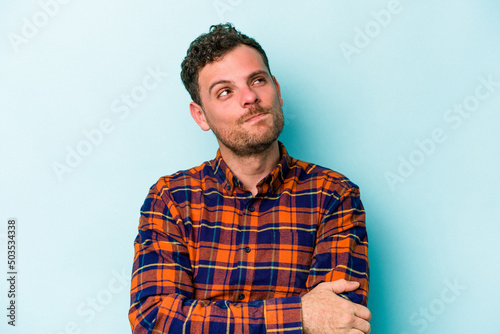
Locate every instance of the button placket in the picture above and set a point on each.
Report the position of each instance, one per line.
(248, 244)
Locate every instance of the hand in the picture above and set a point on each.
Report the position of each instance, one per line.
(325, 312)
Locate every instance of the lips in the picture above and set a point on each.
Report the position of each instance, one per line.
(255, 118)
(255, 114)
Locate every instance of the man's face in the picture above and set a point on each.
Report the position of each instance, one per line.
(241, 102)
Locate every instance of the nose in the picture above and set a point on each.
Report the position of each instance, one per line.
(249, 97)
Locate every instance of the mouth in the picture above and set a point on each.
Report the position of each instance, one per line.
(255, 118)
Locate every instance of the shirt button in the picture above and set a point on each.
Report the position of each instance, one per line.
(247, 249)
(252, 209)
(241, 297)
(228, 187)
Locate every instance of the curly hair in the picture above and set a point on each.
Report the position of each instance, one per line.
(210, 47)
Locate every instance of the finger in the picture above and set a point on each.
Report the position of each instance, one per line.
(361, 325)
(357, 331)
(362, 312)
(341, 285)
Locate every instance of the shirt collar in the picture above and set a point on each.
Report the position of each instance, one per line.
(268, 185)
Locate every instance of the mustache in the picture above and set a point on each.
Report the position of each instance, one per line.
(257, 110)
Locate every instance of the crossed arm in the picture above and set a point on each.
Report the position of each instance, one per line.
(163, 295)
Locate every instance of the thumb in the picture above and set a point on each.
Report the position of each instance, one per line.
(341, 285)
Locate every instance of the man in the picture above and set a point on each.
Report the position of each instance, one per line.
(253, 241)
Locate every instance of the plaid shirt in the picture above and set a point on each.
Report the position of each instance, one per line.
(212, 258)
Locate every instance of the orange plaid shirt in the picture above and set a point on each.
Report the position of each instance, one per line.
(212, 258)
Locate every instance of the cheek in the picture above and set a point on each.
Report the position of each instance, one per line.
(222, 118)
(272, 97)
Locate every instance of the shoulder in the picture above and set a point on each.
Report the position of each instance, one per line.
(191, 178)
(321, 177)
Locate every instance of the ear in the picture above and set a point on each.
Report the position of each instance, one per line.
(199, 116)
(278, 89)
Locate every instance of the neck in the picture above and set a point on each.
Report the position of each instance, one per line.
(251, 169)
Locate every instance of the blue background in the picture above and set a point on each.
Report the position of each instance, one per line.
(365, 85)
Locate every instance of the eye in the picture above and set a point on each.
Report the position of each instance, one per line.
(259, 81)
(223, 93)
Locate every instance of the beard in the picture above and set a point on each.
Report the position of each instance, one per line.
(243, 143)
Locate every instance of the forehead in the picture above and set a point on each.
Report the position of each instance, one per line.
(237, 64)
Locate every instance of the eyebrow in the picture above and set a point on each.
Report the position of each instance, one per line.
(217, 83)
(254, 74)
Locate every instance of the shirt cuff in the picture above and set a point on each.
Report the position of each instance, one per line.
(283, 315)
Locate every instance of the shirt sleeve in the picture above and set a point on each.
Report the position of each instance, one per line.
(341, 250)
(162, 290)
